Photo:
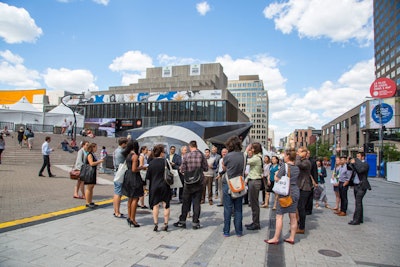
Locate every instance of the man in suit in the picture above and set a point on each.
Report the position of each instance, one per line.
(175, 161)
(361, 184)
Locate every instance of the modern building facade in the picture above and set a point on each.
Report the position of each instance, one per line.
(359, 128)
(253, 101)
(168, 95)
(387, 39)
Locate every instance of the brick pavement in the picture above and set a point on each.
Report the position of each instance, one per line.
(96, 238)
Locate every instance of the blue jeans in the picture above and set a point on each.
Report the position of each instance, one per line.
(230, 204)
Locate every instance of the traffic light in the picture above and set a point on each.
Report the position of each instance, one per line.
(138, 123)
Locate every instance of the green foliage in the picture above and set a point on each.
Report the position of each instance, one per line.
(390, 153)
(323, 150)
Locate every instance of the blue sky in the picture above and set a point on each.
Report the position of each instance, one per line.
(315, 57)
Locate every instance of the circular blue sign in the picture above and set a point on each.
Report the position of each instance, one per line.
(382, 113)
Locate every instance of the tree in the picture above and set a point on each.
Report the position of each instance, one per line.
(322, 151)
(390, 153)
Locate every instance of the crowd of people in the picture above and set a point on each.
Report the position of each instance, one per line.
(146, 168)
(145, 174)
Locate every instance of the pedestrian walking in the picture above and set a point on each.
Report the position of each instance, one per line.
(2, 145)
(46, 150)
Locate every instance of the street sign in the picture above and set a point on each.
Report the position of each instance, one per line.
(383, 88)
(382, 113)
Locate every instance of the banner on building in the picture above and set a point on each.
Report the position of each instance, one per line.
(166, 72)
(194, 70)
(158, 96)
(382, 113)
(363, 116)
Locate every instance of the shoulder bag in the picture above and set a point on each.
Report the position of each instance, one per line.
(168, 175)
(281, 187)
(177, 180)
(74, 174)
(285, 200)
(87, 172)
(119, 175)
(237, 186)
(193, 177)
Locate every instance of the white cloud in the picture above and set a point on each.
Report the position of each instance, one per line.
(132, 66)
(339, 20)
(17, 26)
(76, 81)
(203, 8)
(102, 2)
(131, 61)
(310, 107)
(15, 74)
(166, 60)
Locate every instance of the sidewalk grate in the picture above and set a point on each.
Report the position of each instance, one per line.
(329, 253)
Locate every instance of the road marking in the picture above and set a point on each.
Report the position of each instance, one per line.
(41, 217)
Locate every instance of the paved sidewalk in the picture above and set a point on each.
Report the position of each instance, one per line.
(96, 238)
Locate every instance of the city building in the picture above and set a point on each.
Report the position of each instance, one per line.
(169, 96)
(305, 137)
(360, 128)
(387, 39)
(253, 101)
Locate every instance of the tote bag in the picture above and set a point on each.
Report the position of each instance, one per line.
(281, 187)
(119, 175)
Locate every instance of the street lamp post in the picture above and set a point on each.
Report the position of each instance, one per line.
(81, 98)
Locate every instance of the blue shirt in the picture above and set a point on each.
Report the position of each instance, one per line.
(46, 150)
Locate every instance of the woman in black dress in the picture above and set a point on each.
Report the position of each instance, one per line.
(159, 190)
(132, 187)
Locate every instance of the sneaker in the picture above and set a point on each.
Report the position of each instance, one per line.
(52, 175)
(41, 175)
(180, 225)
(196, 226)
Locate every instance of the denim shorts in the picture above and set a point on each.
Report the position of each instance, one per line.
(118, 188)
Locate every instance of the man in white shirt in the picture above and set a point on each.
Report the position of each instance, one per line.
(46, 150)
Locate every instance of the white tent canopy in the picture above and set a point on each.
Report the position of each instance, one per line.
(171, 134)
(57, 115)
(24, 105)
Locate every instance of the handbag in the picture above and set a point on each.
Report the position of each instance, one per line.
(177, 179)
(74, 174)
(168, 175)
(317, 192)
(237, 186)
(86, 173)
(285, 202)
(281, 187)
(119, 175)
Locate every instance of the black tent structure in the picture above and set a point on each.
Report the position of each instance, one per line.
(215, 132)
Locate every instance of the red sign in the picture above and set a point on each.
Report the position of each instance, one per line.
(383, 88)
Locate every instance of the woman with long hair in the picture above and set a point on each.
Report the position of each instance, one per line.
(293, 171)
(92, 161)
(160, 191)
(132, 187)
